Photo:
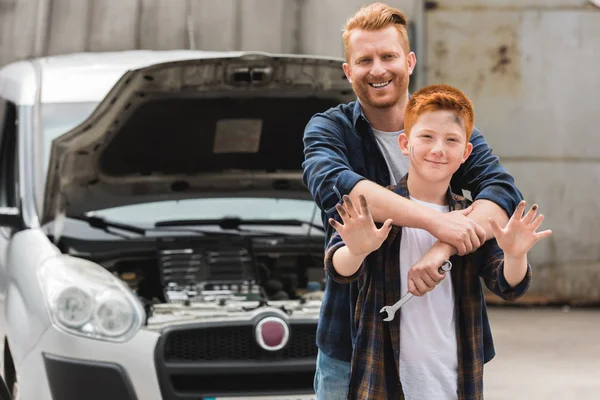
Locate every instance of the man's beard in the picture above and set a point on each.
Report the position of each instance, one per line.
(362, 91)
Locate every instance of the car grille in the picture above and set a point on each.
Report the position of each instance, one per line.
(236, 343)
(213, 361)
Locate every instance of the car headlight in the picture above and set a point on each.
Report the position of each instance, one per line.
(86, 300)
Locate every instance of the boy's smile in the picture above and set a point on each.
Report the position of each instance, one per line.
(436, 148)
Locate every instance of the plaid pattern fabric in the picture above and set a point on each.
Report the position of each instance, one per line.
(376, 343)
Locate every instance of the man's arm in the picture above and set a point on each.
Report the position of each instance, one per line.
(483, 210)
(493, 189)
(451, 227)
(329, 176)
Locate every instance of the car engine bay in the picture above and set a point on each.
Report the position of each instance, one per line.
(181, 278)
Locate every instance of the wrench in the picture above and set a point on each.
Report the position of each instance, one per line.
(391, 310)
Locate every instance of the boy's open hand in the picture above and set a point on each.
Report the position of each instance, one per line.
(519, 235)
(359, 232)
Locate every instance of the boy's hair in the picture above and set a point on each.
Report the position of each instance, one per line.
(439, 97)
(374, 17)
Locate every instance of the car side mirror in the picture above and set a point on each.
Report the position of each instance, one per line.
(4, 393)
(10, 217)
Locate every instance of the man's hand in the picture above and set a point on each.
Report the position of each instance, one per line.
(359, 232)
(519, 235)
(424, 275)
(459, 231)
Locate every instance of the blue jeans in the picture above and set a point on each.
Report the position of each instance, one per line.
(332, 378)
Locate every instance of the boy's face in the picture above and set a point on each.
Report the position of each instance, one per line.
(378, 66)
(437, 146)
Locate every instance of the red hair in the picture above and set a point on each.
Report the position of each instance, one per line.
(373, 18)
(439, 97)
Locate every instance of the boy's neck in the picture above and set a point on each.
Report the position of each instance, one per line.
(390, 119)
(427, 191)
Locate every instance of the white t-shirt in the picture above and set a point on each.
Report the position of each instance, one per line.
(428, 348)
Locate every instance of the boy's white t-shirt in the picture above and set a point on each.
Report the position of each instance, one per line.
(428, 348)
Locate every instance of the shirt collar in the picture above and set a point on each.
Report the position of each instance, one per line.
(455, 202)
(358, 115)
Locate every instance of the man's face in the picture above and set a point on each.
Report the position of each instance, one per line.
(437, 146)
(378, 66)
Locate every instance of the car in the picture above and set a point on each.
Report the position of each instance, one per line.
(156, 239)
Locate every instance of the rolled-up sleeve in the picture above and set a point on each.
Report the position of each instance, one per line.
(486, 179)
(492, 273)
(326, 170)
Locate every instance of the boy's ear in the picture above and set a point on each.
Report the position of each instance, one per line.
(403, 143)
(468, 150)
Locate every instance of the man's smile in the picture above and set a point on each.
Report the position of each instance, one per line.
(379, 85)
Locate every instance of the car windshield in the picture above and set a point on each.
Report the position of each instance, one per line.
(244, 208)
(59, 118)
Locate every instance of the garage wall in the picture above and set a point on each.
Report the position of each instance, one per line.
(48, 27)
(531, 69)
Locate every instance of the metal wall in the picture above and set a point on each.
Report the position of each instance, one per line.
(530, 66)
(49, 27)
(532, 69)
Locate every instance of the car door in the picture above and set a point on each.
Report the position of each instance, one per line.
(8, 199)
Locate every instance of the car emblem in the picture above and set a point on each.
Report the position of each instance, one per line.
(272, 333)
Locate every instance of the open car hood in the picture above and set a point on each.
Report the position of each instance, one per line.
(210, 127)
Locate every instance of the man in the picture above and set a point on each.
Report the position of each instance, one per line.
(352, 150)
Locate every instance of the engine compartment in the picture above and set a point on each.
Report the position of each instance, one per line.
(210, 274)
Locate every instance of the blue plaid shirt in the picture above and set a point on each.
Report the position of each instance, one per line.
(340, 151)
(376, 361)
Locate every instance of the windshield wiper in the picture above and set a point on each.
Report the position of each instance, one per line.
(235, 223)
(102, 224)
(113, 227)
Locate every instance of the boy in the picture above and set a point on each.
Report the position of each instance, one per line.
(438, 348)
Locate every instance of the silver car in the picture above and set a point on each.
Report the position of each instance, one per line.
(156, 239)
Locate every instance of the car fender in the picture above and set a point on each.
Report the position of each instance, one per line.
(26, 308)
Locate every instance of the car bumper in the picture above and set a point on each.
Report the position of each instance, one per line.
(66, 367)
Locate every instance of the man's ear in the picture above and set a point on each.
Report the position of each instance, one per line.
(347, 71)
(411, 59)
(468, 150)
(403, 143)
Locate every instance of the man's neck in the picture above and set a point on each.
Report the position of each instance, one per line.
(427, 191)
(390, 119)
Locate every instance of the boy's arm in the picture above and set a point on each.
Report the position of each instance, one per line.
(336, 244)
(329, 176)
(493, 272)
(505, 269)
(354, 240)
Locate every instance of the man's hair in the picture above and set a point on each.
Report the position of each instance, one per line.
(439, 97)
(374, 17)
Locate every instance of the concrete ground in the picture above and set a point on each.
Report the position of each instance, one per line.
(544, 353)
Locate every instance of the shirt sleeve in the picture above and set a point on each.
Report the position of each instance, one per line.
(492, 272)
(326, 170)
(336, 243)
(486, 179)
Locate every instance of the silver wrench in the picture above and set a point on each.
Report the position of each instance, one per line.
(391, 310)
